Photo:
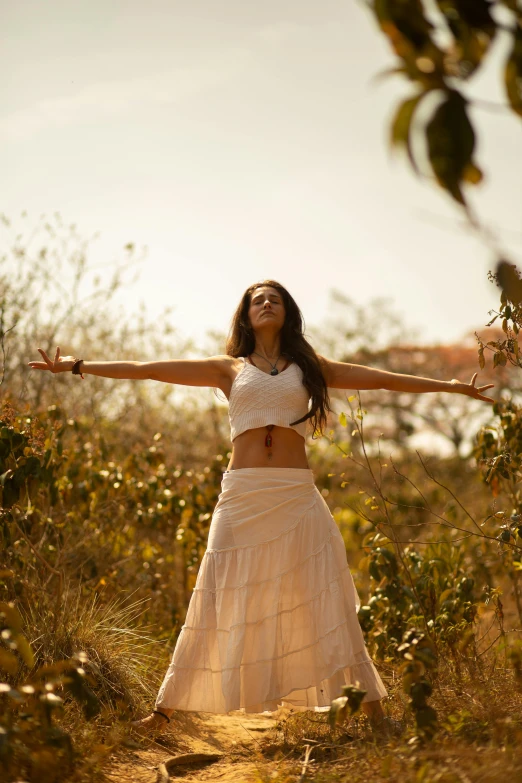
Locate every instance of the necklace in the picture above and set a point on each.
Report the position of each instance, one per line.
(269, 427)
(274, 370)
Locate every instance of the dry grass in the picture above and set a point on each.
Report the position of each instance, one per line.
(478, 741)
(121, 656)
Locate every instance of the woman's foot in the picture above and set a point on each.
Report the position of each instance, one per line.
(152, 724)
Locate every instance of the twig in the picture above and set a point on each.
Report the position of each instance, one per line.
(491, 645)
(307, 761)
(393, 537)
(2, 343)
(49, 567)
(455, 498)
(251, 735)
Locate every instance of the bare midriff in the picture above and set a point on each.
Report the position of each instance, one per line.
(287, 450)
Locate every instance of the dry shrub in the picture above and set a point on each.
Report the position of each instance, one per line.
(121, 656)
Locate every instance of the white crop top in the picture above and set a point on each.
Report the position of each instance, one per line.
(257, 399)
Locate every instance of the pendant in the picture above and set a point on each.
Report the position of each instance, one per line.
(275, 371)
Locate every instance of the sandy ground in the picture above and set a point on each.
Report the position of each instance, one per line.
(233, 737)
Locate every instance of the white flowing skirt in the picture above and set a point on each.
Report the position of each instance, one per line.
(272, 619)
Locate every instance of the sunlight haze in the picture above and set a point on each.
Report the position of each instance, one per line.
(240, 141)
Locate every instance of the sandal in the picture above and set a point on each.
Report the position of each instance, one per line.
(142, 728)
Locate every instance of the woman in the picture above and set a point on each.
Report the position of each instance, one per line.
(273, 615)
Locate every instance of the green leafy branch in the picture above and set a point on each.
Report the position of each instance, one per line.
(438, 52)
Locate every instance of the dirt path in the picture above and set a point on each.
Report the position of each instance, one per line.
(234, 738)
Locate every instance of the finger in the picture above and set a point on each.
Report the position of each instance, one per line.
(38, 366)
(46, 358)
(473, 379)
(488, 386)
(57, 354)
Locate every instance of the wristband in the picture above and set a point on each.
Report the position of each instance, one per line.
(76, 368)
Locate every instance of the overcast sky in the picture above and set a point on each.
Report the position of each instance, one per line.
(240, 140)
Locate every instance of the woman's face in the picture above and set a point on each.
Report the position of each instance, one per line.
(266, 309)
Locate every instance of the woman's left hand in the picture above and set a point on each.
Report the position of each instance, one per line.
(471, 390)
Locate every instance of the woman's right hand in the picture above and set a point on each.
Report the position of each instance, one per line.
(60, 363)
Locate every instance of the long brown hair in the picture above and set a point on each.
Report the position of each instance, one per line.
(241, 342)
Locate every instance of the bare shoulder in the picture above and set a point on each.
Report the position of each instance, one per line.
(323, 360)
(228, 365)
(228, 368)
(327, 366)
(340, 375)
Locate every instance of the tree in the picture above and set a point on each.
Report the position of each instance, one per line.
(374, 334)
(402, 417)
(51, 295)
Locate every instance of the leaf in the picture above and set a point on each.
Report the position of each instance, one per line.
(79, 688)
(338, 711)
(473, 29)
(13, 619)
(409, 31)
(513, 72)
(445, 594)
(472, 174)
(24, 648)
(407, 682)
(426, 719)
(508, 276)
(451, 142)
(379, 77)
(342, 419)
(401, 126)
(354, 694)
(10, 493)
(5, 477)
(8, 662)
(51, 699)
(482, 361)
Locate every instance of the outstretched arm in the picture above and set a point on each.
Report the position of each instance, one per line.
(342, 375)
(188, 372)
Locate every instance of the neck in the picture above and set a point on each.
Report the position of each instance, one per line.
(268, 346)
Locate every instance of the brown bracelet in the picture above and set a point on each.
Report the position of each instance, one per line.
(76, 368)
